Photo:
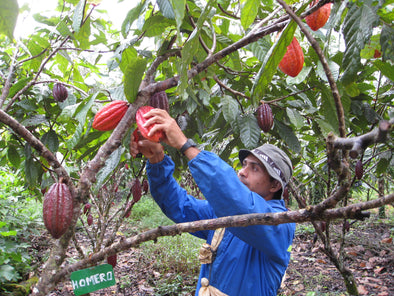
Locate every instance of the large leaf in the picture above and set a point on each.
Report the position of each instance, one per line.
(166, 9)
(132, 77)
(13, 156)
(357, 30)
(387, 42)
(78, 16)
(51, 140)
(271, 62)
(156, 25)
(387, 69)
(249, 130)
(110, 164)
(249, 12)
(132, 15)
(9, 10)
(230, 108)
(179, 10)
(288, 136)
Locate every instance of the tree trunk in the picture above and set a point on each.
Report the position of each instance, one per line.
(382, 212)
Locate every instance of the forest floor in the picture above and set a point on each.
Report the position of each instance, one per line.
(369, 255)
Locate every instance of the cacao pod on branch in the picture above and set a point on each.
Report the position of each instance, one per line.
(108, 117)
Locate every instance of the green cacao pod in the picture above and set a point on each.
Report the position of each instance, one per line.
(265, 119)
(293, 60)
(57, 209)
(159, 100)
(59, 92)
(108, 117)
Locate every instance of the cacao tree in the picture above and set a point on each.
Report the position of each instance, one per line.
(216, 61)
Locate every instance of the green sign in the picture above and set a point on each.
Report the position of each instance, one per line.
(92, 279)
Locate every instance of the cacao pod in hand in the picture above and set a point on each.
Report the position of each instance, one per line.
(57, 209)
(112, 260)
(159, 100)
(59, 92)
(265, 118)
(136, 190)
(359, 170)
(293, 60)
(140, 119)
(108, 117)
(318, 18)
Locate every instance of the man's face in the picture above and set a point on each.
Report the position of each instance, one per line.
(255, 176)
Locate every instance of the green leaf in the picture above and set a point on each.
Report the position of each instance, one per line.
(110, 164)
(13, 156)
(83, 35)
(156, 25)
(179, 10)
(8, 272)
(288, 136)
(357, 30)
(249, 12)
(32, 171)
(8, 233)
(51, 141)
(133, 76)
(35, 120)
(230, 108)
(249, 131)
(271, 62)
(132, 15)
(9, 11)
(78, 16)
(18, 86)
(387, 69)
(165, 7)
(387, 42)
(295, 117)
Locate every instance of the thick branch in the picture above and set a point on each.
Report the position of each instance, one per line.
(300, 216)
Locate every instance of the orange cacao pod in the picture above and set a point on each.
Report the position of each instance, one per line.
(140, 119)
(59, 92)
(108, 117)
(136, 190)
(293, 60)
(57, 209)
(159, 100)
(265, 118)
(318, 18)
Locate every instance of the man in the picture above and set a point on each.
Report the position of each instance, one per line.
(237, 261)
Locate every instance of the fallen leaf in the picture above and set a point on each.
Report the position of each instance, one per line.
(387, 240)
(379, 270)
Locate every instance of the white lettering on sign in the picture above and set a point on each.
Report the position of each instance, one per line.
(92, 280)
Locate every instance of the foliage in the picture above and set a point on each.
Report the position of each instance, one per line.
(19, 216)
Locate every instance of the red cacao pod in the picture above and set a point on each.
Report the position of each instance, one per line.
(159, 100)
(140, 119)
(59, 92)
(86, 208)
(89, 219)
(57, 209)
(377, 54)
(293, 60)
(265, 118)
(112, 260)
(318, 18)
(108, 117)
(136, 190)
(145, 186)
(359, 170)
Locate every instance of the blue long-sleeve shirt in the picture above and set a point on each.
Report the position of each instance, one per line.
(250, 260)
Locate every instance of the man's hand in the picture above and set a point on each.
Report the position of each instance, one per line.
(151, 150)
(164, 122)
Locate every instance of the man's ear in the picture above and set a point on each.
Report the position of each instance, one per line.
(275, 186)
